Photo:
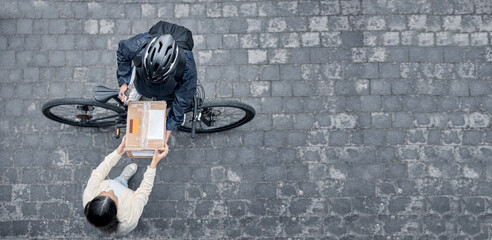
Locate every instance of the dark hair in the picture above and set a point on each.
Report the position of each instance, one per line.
(101, 212)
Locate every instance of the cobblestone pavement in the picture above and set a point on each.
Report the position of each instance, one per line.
(373, 119)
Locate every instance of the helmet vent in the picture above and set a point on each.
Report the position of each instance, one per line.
(170, 57)
(168, 48)
(149, 49)
(152, 55)
(160, 46)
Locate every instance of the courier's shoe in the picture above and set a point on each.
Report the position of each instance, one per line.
(129, 171)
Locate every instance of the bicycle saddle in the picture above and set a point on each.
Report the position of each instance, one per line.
(103, 94)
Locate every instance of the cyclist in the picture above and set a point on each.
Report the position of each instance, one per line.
(110, 205)
(162, 67)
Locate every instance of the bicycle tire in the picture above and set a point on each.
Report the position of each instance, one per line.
(249, 114)
(52, 108)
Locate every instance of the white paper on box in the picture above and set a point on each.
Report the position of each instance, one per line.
(156, 126)
(143, 154)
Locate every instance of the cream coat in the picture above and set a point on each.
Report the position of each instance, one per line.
(130, 203)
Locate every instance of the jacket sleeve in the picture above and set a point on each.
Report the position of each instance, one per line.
(141, 195)
(183, 94)
(98, 175)
(127, 49)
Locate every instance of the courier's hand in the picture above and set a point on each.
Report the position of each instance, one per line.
(158, 156)
(121, 148)
(122, 95)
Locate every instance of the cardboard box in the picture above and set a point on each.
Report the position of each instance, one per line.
(145, 128)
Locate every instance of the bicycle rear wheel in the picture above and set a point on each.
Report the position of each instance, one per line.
(217, 116)
(83, 112)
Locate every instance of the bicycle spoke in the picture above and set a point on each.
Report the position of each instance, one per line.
(83, 113)
(219, 116)
(107, 117)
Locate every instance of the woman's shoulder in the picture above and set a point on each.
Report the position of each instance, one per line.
(125, 200)
(91, 193)
(124, 215)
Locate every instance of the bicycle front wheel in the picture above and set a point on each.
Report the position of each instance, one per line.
(84, 112)
(217, 116)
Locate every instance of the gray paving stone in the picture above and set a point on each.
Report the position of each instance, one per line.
(57, 26)
(434, 137)
(352, 39)
(364, 120)
(345, 88)
(381, 120)
(270, 73)
(294, 24)
(402, 86)
(352, 104)
(338, 138)
(302, 89)
(469, 104)
(351, 188)
(391, 103)
(474, 205)
(472, 137)
(308, 8)
(370, 103)
(387, 154)
(214, 41)
(295, 139)
(416, 136)
(303, 121)
(6, 193)
(413, 80)
(478, 88)
(15, 42)
(380, 87)
(230, 40)
(448, 104)
(54, 210)
(488, 136)
(367, 171)
(374, 137)
(361, 71)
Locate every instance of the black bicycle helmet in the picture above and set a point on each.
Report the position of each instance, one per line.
(160, 59)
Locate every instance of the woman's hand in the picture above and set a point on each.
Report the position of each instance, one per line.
(168, 133)
(121, 148)
(159, 156)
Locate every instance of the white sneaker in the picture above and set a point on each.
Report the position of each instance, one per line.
(129, 171)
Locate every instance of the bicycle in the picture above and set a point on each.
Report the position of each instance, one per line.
(202, 116)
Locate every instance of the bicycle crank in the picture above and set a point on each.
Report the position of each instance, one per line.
(84, 117)
(209, 116)
(84, 108)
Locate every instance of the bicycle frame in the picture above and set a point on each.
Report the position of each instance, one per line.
(120, 126)
(195, 116)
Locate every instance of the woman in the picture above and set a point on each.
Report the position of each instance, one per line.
(109, 204)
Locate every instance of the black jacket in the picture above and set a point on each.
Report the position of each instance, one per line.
(179, 92)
